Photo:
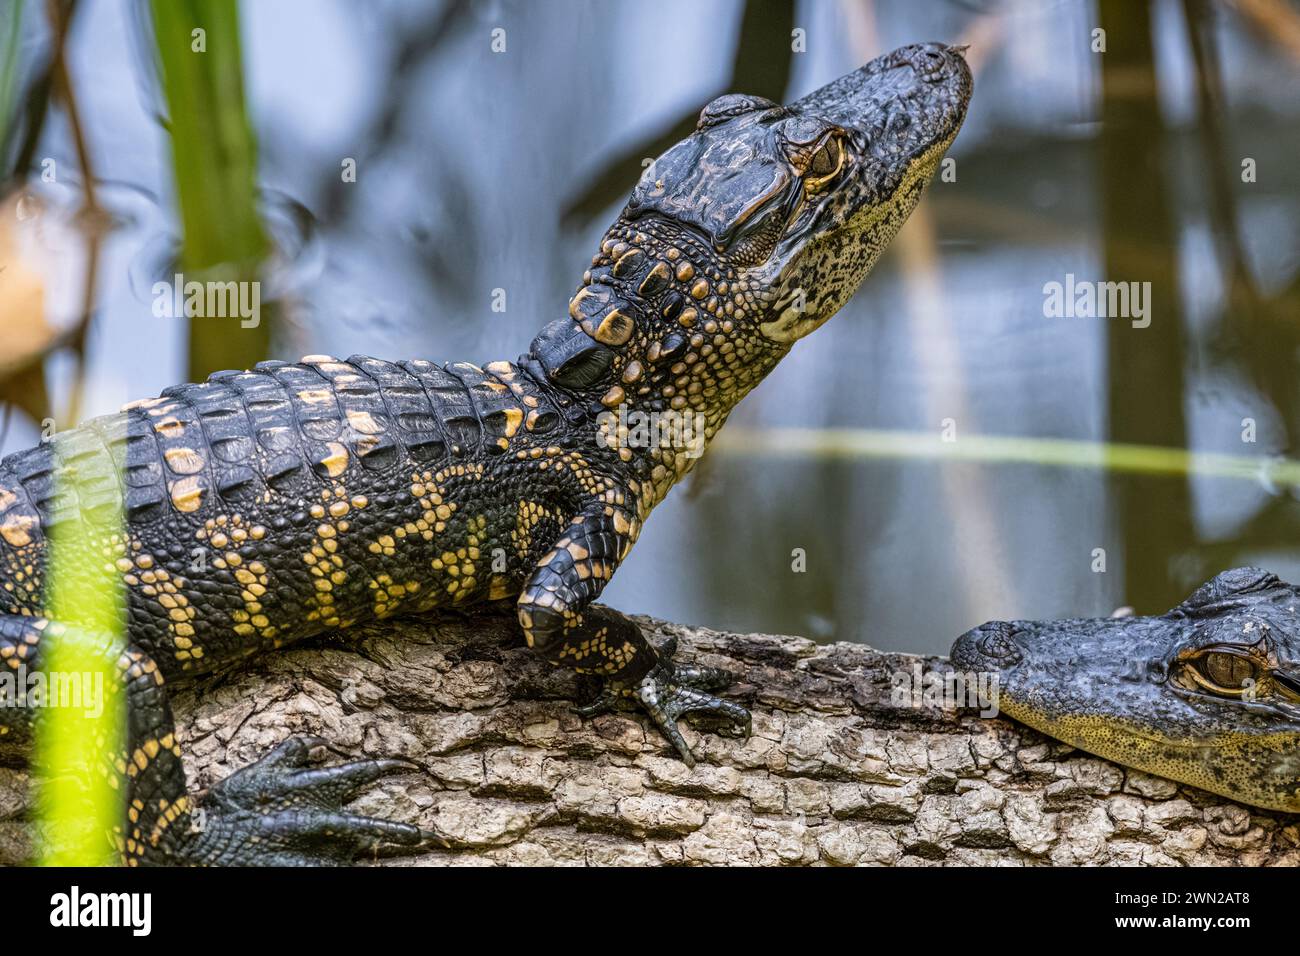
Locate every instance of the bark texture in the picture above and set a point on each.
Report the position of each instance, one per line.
(835, 773)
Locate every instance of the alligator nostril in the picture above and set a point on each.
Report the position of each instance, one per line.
(931, 65)
(998, 644)
(991, 646)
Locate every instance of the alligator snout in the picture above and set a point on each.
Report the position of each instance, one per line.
(933, 62)
(989, 647)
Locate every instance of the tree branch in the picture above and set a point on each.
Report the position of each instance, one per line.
(835, 773)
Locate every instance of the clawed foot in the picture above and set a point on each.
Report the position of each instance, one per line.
(670, 690)
(285, 811)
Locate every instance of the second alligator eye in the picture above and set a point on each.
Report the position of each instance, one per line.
(1229, 671)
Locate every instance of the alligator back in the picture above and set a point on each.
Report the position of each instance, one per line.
(264, 505)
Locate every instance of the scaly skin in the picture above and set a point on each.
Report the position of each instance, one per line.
(267, 505)
(1207, 694)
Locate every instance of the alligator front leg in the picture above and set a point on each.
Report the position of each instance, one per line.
(277, 812)
(559, 620)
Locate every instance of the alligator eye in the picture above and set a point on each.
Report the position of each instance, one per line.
(1227, 670)
(1226, 673)
(826, 160)
(825, 163)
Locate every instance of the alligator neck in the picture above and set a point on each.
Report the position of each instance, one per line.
(683, 325)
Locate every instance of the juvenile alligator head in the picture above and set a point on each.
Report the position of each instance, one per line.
(1207, 694)
(749, 234)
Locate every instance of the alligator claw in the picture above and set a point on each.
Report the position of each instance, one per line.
(284, 811)
(670, 690)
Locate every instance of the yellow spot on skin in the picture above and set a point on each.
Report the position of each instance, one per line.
(183, 461)
(660, 274)
(315, 396)
(142, 403)
(15, 530)
(186, 494)
(514, 417)
(615, 329)
(336, 462)
(170, 428)
(575, 304)
(613, 397)
(364, 422)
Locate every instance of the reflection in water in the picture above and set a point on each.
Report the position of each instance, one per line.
(484, 177)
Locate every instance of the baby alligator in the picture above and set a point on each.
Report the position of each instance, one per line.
(1207, 694)
(326, 492)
